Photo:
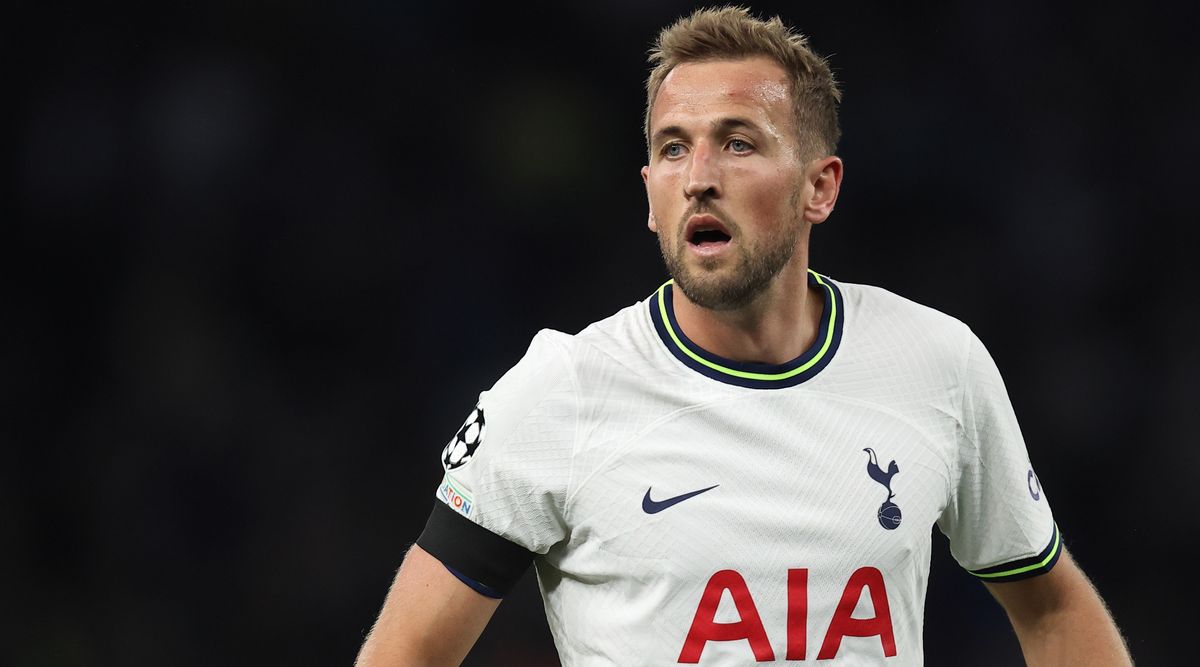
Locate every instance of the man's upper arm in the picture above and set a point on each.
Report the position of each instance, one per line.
(1060, 618)
(499, 504)
(1029, 599)
(430, 617)
(998, 518)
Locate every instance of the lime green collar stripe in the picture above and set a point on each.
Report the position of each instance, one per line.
(826, 342)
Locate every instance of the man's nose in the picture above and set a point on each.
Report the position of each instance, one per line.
(704, 178)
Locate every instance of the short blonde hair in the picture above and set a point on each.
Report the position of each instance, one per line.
(732, 33)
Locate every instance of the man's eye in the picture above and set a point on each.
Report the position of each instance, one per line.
(673, 150)
(740, 146)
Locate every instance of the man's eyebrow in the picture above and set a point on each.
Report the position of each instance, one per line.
(720, 126)
(664, 132)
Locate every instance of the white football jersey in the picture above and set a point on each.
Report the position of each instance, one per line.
(685, 508)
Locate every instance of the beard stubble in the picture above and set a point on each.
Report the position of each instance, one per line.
(755, 265)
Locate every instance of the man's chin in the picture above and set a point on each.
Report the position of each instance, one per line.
(714, 292)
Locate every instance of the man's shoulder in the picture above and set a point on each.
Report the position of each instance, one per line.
(618, 328)
(870, 302)
(882, 318)
(623, 330)
(621, 335)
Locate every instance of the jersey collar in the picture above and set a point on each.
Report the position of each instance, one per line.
(752, 375)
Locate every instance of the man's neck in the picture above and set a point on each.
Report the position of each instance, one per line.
(776, 327)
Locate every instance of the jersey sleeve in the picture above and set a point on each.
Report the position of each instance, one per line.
(998, 521)
(501, 500)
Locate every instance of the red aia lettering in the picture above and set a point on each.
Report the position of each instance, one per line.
(797, 615)
(844, 625)
(705, 629)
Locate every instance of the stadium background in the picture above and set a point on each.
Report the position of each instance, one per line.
(264, 255)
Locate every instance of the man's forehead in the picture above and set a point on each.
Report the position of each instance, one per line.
(752, 84)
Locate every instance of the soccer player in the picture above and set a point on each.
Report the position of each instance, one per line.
(746, 466)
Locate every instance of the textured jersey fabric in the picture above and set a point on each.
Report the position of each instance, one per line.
(688, 508)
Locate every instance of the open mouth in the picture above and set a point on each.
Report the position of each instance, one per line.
(706, 231)
(704, 236)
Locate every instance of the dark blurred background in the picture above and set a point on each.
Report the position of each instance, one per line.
(262, 256)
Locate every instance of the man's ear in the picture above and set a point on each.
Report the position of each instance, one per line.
(650, 221)
(824, 176)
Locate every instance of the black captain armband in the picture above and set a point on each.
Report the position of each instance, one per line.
(480, 558)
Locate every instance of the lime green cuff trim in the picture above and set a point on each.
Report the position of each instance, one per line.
(1050, 556)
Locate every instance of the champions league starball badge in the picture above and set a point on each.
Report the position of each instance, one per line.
(889, 513)
(462, 446)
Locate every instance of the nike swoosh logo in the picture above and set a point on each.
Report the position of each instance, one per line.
(655, 506)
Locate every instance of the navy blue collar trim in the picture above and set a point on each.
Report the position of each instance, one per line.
(753, 375)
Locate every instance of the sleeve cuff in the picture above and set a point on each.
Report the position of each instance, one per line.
(1024, 568)
(481, 559)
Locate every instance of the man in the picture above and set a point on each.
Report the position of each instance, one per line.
(746, 466)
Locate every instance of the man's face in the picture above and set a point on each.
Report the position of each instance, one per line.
(725, 179)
